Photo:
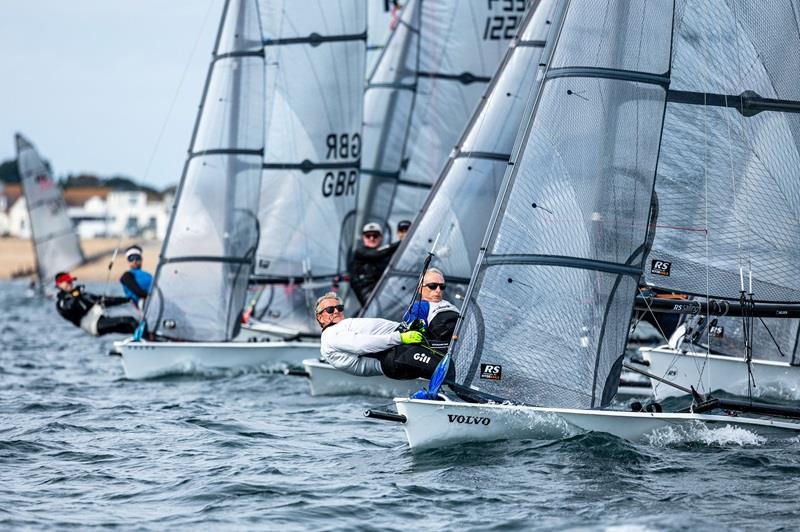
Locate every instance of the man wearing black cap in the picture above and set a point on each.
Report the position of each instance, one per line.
(136, 282)
(402, 228)
(369, 261)
(85, 310)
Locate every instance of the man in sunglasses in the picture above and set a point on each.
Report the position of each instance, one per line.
(369, 261)
(359, 346)
(136, 283)
(438, 315)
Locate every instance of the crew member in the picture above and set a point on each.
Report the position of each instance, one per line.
(402, 229)
(136, 282)
(86, 310)
(371, 346)
(369, 261)
(437, 315)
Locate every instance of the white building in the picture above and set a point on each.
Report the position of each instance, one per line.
(120, 213)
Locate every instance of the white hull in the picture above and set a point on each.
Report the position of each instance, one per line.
(440, 423)
(327, 380)
(143, 360)
(714, 372)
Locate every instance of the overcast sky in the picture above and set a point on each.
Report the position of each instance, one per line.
(91, 82)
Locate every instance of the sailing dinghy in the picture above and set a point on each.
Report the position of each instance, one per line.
(55, 242)
(262, 49)
(541, 340)
(459, 206)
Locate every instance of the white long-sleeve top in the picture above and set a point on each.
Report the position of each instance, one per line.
(342, 345)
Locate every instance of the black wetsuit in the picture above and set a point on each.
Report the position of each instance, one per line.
(367, 267)
(74, 305)
(405, 362)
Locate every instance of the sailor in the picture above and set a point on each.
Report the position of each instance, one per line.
(369, 261)
(136, 282)
(437, 315)
(86, 310)
(367, 347)
(402, 229)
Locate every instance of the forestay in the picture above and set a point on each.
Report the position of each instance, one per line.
(552, 295)
(201, 279)
(728, 185)
(423, 91)
(315, 58)
(55, 240)
(458, 208)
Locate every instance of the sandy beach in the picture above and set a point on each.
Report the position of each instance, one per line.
(17, 255)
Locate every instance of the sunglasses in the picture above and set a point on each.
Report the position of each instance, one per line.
(434, 286)
(134, 257)
(372, 235)
(331, 309)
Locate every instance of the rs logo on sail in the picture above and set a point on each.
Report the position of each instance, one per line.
(468, 420)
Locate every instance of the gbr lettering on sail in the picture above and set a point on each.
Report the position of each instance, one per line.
(341, 147)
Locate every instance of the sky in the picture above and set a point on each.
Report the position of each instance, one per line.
(105, 87)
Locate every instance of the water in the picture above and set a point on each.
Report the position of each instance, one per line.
(82, 447)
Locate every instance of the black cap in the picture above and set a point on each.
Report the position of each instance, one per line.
(403, 225)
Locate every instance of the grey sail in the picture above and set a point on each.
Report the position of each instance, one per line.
(207, 256)
(315, 83)
(382, 16)
(552, 295)
(458, 208)
(421, 95)
(55, 241)
(728, 186)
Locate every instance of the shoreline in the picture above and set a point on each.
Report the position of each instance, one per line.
(17, 254)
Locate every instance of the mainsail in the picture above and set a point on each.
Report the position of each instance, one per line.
(552, 294)
(206, 259)
(457, 210)
(435, 68)
(728, 184)
(55, 241)
(382, 18)
(315, 83)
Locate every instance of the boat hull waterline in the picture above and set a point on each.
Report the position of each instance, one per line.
(142, 360)
(431, 424)
(710, 373)
(327, 380)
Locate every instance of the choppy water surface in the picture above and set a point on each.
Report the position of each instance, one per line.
(80, 446)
